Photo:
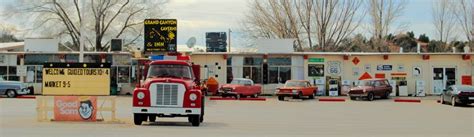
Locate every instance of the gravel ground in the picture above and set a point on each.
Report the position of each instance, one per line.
(380, 118)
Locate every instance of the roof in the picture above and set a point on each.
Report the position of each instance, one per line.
(11, 45)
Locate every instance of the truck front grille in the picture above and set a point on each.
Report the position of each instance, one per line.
(166, 94)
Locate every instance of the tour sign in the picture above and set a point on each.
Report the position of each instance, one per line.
(76, 79)
(160, 35)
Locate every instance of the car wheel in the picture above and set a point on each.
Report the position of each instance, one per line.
(11, 93)
(370, 96)
(255, 96)
(281, 98)
(386, 95)
(441, 100)
(298, 96)
(237, 96)
(353, 98)
(152, 118)
(311, 96)
(453, 101)
(138, 119)
(194, 120)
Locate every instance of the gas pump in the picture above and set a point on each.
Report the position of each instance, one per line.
(402, 88)
(420, 88)
(333, 87)
(346, 87)
(321, 84)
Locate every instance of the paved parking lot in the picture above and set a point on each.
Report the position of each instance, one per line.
(380, 118)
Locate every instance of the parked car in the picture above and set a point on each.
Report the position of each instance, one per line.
(13, 88)
(458, 95)
(296, 89)
(370, 89)
(241, 87)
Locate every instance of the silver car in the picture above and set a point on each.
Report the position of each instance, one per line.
(458, 95)
(13, 88)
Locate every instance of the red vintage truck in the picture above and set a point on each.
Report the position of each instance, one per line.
(170, 89)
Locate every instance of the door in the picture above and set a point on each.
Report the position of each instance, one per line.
(443, 78)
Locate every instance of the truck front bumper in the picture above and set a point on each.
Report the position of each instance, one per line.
(167, 111)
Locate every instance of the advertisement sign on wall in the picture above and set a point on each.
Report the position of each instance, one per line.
(334, 67)
(76, 79)
(384, 67)
(75, 108)
(316, 70)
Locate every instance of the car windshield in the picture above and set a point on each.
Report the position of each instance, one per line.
(295, 84)
(180, 71)
(465, 88)
(365, 83)
(238, 82)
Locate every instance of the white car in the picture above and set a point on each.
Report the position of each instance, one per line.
(13, 88)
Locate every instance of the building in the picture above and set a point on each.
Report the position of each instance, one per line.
(432, 71)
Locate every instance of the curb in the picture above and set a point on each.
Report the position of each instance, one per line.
(243, 99)
(407, 100)
(332, 99)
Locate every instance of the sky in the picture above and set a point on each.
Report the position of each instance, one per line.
(196, 17)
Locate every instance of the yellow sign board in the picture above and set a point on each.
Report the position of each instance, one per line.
(76, 79)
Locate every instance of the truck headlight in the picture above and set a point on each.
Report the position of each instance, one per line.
(192, 97)
(140, 95)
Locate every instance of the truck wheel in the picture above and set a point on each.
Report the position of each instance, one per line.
(370, 96)
(281, 98)
(152, 118)
(11, 93)
(386, 95)
(194, 120)
(138, 119)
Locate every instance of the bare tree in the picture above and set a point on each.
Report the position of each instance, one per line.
(327, 21)
(104, 19)
(443, 19)
(463, 11)
(383, 14)
(335, 20)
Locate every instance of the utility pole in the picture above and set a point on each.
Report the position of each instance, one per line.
(82, 38)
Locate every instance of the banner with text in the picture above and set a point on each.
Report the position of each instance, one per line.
(75, 108)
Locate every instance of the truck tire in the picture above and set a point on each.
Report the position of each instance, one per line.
(152, 118)
(194, 120)
(138, 119)
(386, 95)
(11, 93)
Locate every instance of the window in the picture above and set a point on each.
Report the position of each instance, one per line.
(12, 74)
(123, 74)
(69, 58)
(229, 74)
(40, 59)
(253, 61)
(253, 73)
(279, 69)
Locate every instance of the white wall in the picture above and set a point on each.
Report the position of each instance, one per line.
(41, 45)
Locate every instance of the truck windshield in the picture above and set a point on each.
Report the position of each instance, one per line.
(180, 71)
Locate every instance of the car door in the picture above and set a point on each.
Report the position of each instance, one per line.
(307, 89)
(247, 88)
(378, 89)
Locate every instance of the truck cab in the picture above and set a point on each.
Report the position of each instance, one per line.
(170, 89)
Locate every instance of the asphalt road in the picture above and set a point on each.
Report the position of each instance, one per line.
(380, 118)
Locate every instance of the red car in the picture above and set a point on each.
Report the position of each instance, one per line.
(370, 89)
(241, 87)
(296, 89)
